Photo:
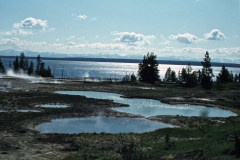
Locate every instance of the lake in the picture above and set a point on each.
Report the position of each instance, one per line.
(81, 69)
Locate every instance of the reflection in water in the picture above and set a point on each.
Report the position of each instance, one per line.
(150, 107)
(25, 110)
(52, 106)
(100, 124)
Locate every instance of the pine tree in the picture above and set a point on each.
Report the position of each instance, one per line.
(167, 76)
(38, 65)
(30, 69)
(16, 65)
(2, 69)
(21, 61)
(42, 69)
(133, 78)
(148, 69)
(173, 76)
(224, 75)
(207, 73)
(49, 73)
(184, 75)
(199, 76)
(236, 78)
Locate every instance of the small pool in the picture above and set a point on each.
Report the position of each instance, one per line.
(3, 111)
(25, 110)
(52, 106)
(100, 124)
(150, 107)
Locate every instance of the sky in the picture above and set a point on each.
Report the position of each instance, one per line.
(182, 29)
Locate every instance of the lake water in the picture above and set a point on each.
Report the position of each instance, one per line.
(100, 124)
(52, 106)
(150, 107)
(80, 69)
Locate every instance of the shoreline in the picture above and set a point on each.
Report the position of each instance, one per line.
(26, 96)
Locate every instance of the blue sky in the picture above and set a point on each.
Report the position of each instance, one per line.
(183, 29)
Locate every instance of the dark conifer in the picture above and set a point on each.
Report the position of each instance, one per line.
(2, 68)
(30, 69)
(207, 73)
(148, 69)
(16, 64)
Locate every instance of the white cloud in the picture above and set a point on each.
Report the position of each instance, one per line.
(71, 44)
(165, 41)
(16, 32)
(215, 34)
(185, 38)
(132, 38)
(31, 23)
(16, 43)
(71, 37)
(26, 27)
(186, 53)
(82, 17)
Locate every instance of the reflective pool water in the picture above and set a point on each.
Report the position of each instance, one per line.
(52, 106)
(100, 124)
(150, 107)
(25, 110)
(3, 111)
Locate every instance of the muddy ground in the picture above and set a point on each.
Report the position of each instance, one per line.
(19, 140)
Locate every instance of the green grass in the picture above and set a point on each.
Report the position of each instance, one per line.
(205, 143)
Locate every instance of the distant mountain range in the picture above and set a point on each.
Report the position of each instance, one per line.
(109, 58)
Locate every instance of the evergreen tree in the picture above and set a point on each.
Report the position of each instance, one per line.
(16, 65)
(148, 69)
(2, 69)
(231, 77)
(207, 73)
(126, 78)
(38, 65)
(23, 63)
(236, 78)
(167, 76)
(49, 72)
(199, 76)
(133, 78)
(224, 75)
(191, 80)
(30, 69)
(173, 76)
(184, 75)
(42, 69)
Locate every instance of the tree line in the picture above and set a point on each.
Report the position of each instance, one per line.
(21, 64)
(148, 72)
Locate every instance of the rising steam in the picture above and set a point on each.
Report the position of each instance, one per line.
(31, 79)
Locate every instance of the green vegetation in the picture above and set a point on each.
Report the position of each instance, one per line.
(2, 69)
(148, 69)
(207, 74)
(225, 76)
(23, 65)
(205, 142)
(129, 78)
(148, 72)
